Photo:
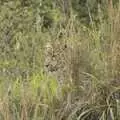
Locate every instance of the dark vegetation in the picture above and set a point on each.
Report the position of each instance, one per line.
(59, 60)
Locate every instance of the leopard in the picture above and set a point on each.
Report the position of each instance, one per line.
(57, 61)
(64, 61)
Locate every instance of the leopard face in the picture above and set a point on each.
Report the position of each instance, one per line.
(56, 60)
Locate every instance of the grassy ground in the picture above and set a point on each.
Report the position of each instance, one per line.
(91, 90)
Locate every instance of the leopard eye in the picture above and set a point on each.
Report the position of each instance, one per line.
(53, 55)
(65, 46)
(46, 65)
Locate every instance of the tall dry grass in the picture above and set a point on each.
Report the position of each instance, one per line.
(91, 90)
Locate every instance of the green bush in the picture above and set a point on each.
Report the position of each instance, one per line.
(88, 50)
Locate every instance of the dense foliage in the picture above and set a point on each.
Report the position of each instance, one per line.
(59, 60)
